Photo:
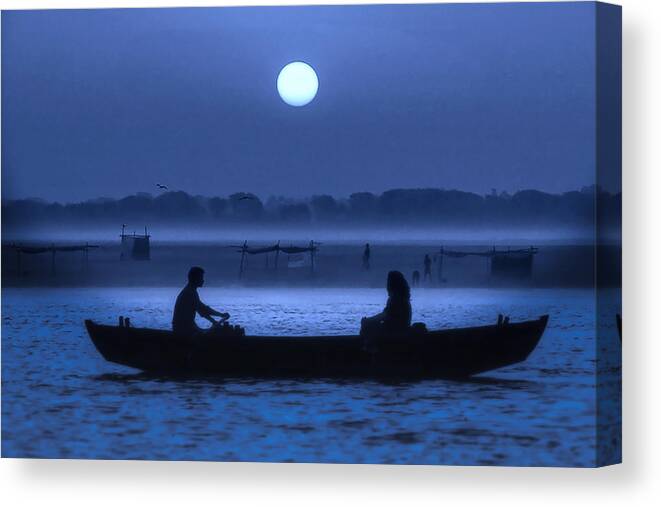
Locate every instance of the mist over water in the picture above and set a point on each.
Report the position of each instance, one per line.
(539, 412)
(402, 214)
(335, 265)
(268, 233)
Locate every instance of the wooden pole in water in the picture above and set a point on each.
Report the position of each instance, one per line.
(243, 256)
(121, 244)
(312, 257)
(277, 255)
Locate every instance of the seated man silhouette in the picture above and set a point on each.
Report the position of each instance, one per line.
(188, 304)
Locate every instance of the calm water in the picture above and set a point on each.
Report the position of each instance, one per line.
(61, 399)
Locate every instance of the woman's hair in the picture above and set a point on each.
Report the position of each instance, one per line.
(397, 285)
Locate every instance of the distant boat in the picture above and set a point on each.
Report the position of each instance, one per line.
(449, 353)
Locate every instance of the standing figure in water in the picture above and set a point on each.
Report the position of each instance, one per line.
(188, 304)
(427, 262)
(396, 316)
(366, 257)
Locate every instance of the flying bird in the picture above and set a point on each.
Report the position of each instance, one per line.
(161, 187)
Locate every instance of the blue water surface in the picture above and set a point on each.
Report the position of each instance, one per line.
(60, 399)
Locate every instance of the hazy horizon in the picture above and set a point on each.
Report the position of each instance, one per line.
(300, 197)
(358, 235)
(266, 196)
(395, 215)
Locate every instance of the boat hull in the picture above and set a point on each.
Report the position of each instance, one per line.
(451, 353)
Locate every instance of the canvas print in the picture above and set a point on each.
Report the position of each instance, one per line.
(340, 234)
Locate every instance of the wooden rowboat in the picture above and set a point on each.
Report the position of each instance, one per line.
(418, 353)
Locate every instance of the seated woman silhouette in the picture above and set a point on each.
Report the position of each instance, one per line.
(396, 316)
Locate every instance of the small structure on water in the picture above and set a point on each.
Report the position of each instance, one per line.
(295, 255)
(52, 249)
(135, 246)
(513, 263)
(502, 263)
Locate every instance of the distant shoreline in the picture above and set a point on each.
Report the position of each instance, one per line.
(406, 214)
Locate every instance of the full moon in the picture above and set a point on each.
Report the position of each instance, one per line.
(297, 84)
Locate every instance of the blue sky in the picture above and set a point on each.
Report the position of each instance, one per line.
(110, 102)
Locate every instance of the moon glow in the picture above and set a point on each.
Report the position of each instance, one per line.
(297, 84)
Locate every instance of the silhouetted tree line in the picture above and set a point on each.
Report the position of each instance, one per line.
(423, 207)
